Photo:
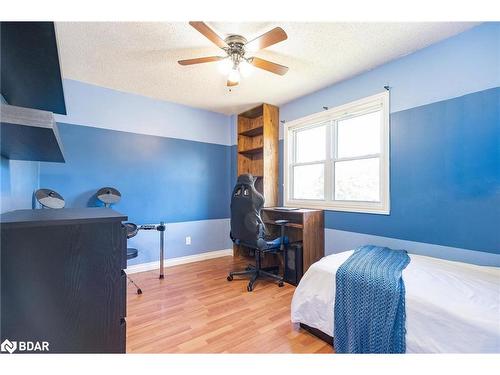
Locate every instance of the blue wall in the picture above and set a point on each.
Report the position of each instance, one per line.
(160, 179)
(445, 176)
(445, 145)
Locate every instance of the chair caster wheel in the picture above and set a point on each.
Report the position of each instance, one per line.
(280, 284)
(229, 278)
(139, 291)
(249, 288)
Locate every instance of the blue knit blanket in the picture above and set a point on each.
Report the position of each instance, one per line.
(370, 302)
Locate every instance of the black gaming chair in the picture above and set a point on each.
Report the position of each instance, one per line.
(248, 229)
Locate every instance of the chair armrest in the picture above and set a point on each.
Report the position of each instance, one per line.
(282, 224)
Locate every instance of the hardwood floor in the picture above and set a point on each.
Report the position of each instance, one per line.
(195, 310)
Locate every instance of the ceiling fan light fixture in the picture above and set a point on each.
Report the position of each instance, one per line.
(234, 75)
(225, 66)
(246, 69)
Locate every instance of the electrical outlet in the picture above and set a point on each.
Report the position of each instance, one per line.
(188, 240)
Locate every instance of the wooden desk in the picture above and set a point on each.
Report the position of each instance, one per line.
(304, 225)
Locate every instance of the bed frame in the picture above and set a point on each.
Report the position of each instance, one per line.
(319, 334)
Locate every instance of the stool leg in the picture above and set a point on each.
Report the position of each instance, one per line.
(139, 290)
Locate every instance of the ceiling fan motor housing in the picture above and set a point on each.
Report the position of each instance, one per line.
(235, 39)
(236, 49)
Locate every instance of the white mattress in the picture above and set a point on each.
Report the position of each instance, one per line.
(451, 307)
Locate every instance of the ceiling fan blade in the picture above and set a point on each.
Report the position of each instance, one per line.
(231, 84)
(203, 28)
(269, 66)
(200, 60)
(273, 36)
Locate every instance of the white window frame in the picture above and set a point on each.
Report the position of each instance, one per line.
(332, 116)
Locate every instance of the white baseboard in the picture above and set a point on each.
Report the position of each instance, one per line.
(180, 260)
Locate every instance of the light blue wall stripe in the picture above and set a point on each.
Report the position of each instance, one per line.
(101, 107)
(337, 241)
(463, 64)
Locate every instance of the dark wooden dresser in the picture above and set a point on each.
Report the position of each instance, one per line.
(62, 279)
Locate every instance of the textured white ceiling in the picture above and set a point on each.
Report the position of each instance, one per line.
(142, 57)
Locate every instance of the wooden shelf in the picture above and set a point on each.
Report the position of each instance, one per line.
(254, 112)
(259, 130)
(252, 151)
(291, 225)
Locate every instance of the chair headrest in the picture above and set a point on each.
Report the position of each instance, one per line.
(246, 179)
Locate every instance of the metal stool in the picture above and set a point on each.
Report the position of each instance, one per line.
(109, 196)
(131, 254)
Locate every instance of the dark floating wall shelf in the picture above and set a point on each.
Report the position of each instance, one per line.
(29, 134)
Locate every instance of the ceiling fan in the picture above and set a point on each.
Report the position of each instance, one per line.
(236, 47)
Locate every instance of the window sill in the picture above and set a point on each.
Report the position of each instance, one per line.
(372, 209)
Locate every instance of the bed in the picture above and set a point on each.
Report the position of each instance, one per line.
(451, 307)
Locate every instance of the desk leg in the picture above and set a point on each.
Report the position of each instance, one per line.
(161, 228)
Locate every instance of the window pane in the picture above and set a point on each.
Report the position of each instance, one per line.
(359, 135)
(357, 180)
(311, 144)
(309, 181)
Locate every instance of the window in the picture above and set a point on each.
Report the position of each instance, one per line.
(339, 159)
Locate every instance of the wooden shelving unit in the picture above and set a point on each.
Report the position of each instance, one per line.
(258, 153)
(258, 149)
